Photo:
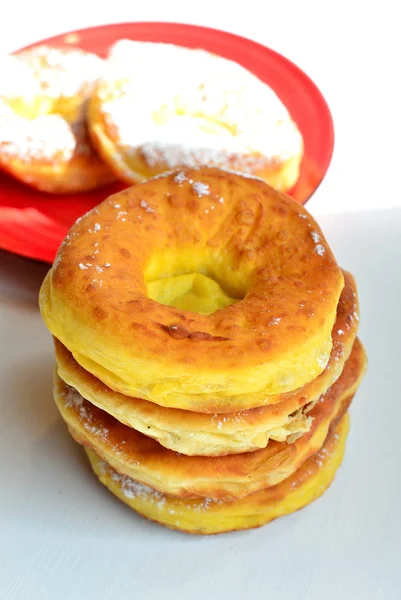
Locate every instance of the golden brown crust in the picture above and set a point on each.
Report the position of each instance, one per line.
(205, 516)
(133, 454)
(260, 243)
(218, 434)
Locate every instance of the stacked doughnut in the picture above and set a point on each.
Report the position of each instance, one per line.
(206, 349)
(71, 122)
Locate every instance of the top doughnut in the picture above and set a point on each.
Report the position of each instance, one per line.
(44, 138)
(194, 285)
(160, 107)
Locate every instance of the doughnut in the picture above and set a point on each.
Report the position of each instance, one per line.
(200, 289)
(220, 434)
(228, 477)
(207, 516)
(159, 107)
(44, 140)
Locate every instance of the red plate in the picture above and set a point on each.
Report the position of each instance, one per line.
(34, 223)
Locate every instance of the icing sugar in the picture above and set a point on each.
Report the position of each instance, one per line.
(205, 504)
(16, 79)
(49, 137)
(215, 114)
(41, 77)
(180, 177)
(134, 489)
(131, 488)
(143, 204)
(73, 399)
(177, 154)
(62, 72)
(319, 249)
(201, 189)
(323, 359)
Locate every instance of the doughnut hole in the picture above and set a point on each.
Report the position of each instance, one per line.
(193, 281)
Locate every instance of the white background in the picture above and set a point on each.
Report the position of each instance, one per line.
(62, 536)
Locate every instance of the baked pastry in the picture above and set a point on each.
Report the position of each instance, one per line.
(43, 127)
(204, 310)
(103, 298)
(228, 477)
(205, 516)
(218, 434)
(202, 109)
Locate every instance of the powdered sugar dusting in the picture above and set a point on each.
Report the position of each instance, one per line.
(247, 174)
(338, 350)
(46, 138)
(50, 73)
(319, 249)
(122, 215)
(62, 72)
(218, 113)
(173, 155)
(133, 489)
(73, 399)
(180, 177)
(323, 359)
(201, 189)
(323, 454)
(221, 420)
(315, 236)
(319, 459)
(205, 504)
(143, 204)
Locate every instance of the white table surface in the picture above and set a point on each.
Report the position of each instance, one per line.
(61, 534)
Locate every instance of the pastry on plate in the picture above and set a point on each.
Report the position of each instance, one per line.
(44, 139)
(160, 106)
